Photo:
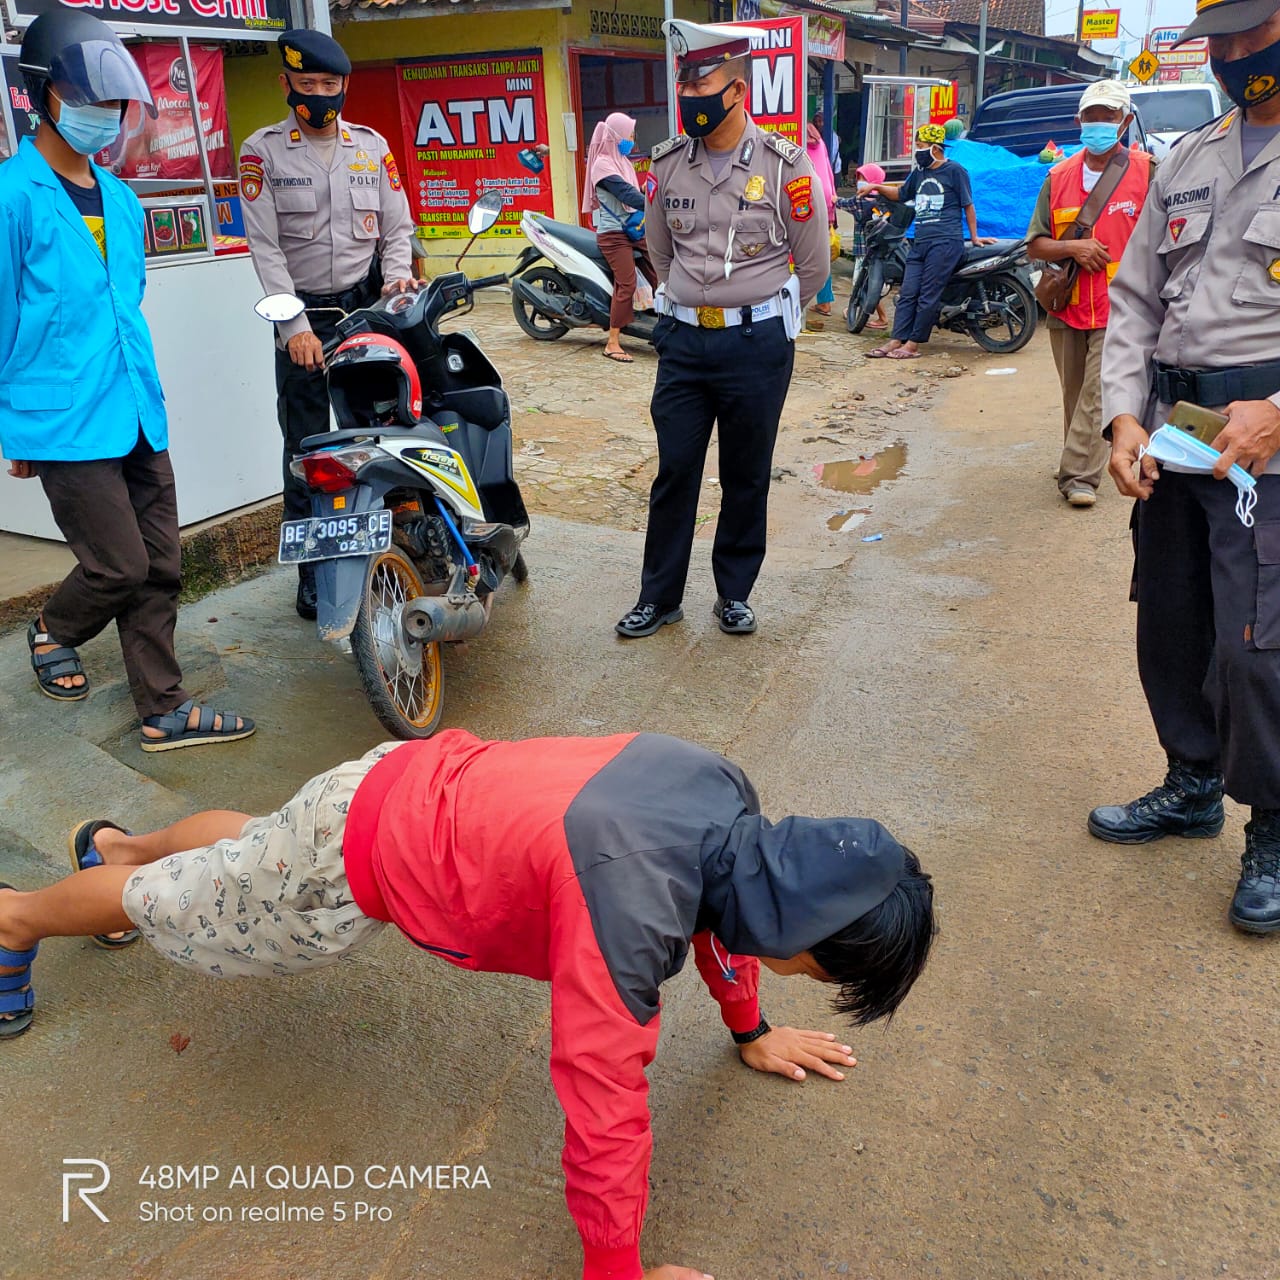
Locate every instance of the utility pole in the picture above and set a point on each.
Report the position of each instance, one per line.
(980, 89)
(904, 19)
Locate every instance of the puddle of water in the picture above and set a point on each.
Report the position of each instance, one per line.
(848, 520)
(862, 475)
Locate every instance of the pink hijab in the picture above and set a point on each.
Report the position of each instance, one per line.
(604, 160)
(821, 162)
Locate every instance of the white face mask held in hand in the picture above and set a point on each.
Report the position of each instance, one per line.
(1181, 449)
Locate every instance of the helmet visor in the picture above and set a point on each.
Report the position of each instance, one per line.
(98, 71)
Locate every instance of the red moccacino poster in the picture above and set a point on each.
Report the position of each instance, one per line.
(465, 121)
(166, 146)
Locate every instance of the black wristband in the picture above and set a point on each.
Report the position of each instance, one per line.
(746, 1037)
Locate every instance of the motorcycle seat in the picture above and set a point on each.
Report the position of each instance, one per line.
(583, 239)
(982, 252)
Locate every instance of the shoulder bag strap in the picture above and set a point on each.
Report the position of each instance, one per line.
(1108, 181)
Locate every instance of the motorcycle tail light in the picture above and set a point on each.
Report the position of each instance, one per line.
(331, 470)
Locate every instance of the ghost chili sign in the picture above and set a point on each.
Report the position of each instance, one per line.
(465, 122)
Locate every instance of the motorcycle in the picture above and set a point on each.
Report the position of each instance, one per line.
(989, 296)
(574, 292)
(416, 517)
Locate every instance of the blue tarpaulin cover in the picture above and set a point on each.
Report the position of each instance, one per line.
(1005, 186)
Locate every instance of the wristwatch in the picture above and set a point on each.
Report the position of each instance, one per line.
(746, 1037)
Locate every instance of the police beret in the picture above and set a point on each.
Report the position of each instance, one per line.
(313, 51)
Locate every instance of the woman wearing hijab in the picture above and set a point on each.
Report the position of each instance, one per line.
(817, 150)
(616, 204)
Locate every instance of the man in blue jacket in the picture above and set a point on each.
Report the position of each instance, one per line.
(80, 399)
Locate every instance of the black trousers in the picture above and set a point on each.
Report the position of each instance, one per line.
(1208, 593)
(929, 266)
(120, 518)
(302, 407)
(736, 378)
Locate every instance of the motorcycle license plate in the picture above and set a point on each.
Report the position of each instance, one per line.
(331, 537)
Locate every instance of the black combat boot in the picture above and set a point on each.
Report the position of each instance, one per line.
(1256, 906)
(1187, 803)
(306, 601)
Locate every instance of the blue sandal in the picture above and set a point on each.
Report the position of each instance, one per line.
(16, 996)
(83, 854)
(178, 734)
(49, 667)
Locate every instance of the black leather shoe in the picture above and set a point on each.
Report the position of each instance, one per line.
(646, 618)
(1256, 905)
(1188, 803)
(306, 602)
(736, 618)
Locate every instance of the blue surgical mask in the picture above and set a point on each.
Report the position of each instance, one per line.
(1181, 449)
(1098, 138)
(624, 147)
(89, 130)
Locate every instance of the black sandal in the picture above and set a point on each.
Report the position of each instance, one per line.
(55, 664)
(84, 854)
(177, 733)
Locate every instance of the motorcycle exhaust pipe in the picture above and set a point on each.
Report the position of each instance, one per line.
(432, 620)
(549, 305)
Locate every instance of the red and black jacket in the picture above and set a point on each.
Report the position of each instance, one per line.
(595, 863)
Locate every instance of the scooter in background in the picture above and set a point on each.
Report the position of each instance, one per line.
(574, 291)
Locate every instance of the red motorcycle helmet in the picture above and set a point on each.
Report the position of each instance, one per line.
(372, 379)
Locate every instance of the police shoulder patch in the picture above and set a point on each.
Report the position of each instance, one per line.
(783, 146)
(667, 147)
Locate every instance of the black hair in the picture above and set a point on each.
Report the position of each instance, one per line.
(878, 957)
(739, 69)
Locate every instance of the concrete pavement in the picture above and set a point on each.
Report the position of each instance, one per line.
(1079, 1086)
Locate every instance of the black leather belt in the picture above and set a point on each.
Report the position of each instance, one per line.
(1210, 387)
(359, 295)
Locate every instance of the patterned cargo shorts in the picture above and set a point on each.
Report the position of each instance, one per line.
(273, 902)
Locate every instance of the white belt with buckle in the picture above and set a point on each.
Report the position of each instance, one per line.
(719, 317)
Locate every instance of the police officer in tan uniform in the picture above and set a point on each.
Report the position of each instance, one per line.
(732, 207)
(1195, 316)
(327, 220)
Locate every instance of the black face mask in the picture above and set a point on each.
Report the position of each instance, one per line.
(1251, 80)
(701, 116)
(925, 159)
(316, 109)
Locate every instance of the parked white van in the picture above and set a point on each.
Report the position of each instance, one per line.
(1170, 110)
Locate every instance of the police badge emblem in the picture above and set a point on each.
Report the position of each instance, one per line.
(1274, 270)
(755, 188)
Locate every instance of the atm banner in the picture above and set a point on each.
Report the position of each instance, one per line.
(778, 77)
(465, 121)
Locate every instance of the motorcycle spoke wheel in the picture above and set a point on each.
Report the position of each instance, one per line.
(406, 691)
(532, 321)
(1011, 320)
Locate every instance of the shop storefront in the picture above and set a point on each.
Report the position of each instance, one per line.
(214, 358)
(459, 96)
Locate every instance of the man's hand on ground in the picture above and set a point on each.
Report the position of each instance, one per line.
(1127, 439)
(1250, 438)
(786, 1051)
(676, 1273)
(22, 470)
(306, 349)
(1090, 255)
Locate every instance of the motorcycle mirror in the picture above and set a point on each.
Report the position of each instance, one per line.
(484, 213)
(279, 308)
(480, 217)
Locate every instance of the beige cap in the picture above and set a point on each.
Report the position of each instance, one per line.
(1106, 93)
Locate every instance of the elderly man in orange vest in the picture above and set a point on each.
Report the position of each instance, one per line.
(1094, 243)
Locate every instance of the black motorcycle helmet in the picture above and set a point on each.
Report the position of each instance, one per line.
(80, 57)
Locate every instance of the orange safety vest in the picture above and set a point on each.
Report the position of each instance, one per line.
(1090, 304)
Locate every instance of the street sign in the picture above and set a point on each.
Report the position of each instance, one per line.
(1144, 66)
(1100, 24)
(1170, 75)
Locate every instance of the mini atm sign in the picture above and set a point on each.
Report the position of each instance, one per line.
(1100, 24)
